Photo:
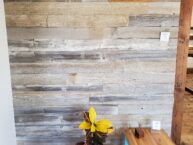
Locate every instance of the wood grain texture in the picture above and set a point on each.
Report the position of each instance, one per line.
(189, 81)
(150, 138)
(86, 48)
(170, 20)
(26, 21)
(49, 34)
(181, 68)
(58, 8)
(78, 55)
(186, 138)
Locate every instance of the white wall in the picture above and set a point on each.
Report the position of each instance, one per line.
(7, 126)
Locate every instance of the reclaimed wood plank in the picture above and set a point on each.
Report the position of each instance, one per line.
(48, 98)
(95, 78)
(113, 45)
(95, 8)
(27, 57)
(150, 89)
(107, 88)
(145, 109)
(87, 21)
(144, 32)
(88, 33)
(123, 99)
(62, 88)
(60, 68)
(26, 20)
(90, 67)
(156, 20)
(59, 33)
(51, 132)
(67, 109)
(31, 101)
(62, 56)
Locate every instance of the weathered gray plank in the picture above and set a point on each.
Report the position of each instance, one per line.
(57, 68)
(89, 33)
(91, 45)
(145, 109)
(150, 67)
(135, 89)
(141, 55)
(62, 88)
(67, 109)
(90, 67)
(59, 99)
(49, 100)
(47, 119)
(58, 33)
(154, 20)
(35, 94)
(28, 57)
(144, 32)
(121, 99)
(51, 132)
(94, 78)
(132, 89)
(60, 56)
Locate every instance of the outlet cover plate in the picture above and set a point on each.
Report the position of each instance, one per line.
(165, 36)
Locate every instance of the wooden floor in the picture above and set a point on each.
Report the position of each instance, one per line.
(187, 130)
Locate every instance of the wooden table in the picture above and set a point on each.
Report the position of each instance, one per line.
(150, 137)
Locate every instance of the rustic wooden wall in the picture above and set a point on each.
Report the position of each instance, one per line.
(66, 57)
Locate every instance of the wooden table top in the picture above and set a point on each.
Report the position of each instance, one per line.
(150, 137)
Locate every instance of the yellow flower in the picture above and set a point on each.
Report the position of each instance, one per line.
(104, 126)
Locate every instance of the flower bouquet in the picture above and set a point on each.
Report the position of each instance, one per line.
(96, 131)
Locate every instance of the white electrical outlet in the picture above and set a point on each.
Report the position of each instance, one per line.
(165, 36)
(156, 125)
